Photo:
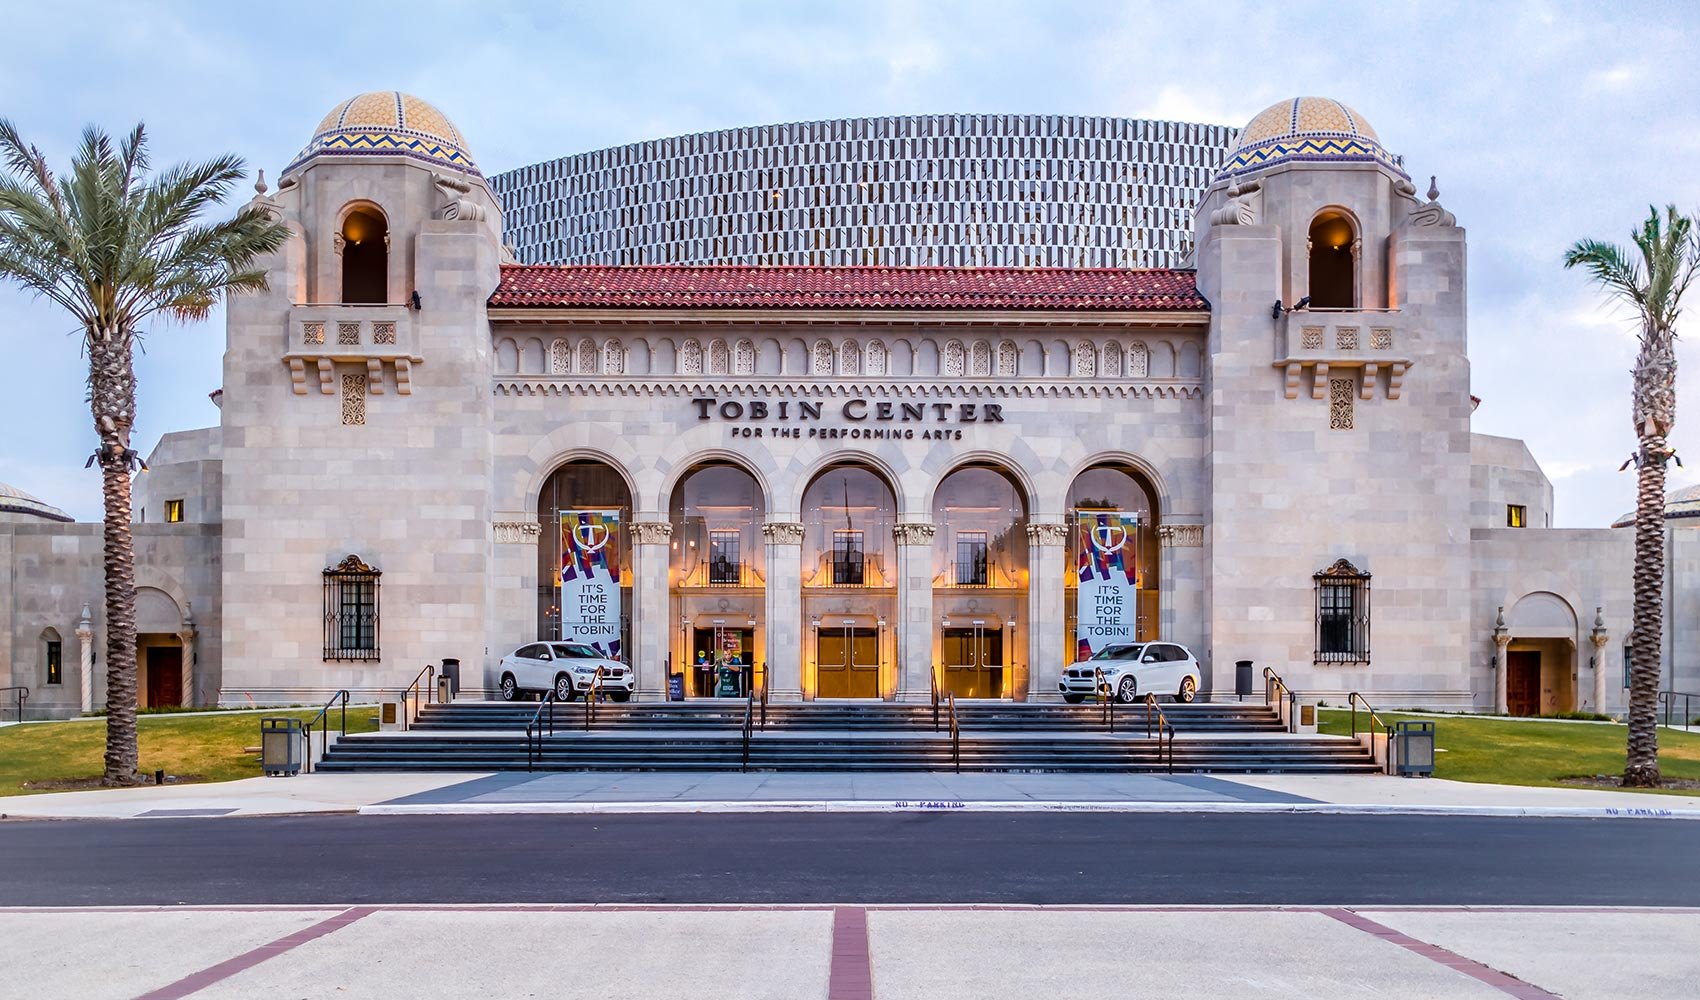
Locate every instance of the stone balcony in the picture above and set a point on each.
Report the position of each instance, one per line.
(1365, 342)
(320, 336)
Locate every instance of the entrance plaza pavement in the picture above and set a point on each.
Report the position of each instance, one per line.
(732, 791)
(849, 952)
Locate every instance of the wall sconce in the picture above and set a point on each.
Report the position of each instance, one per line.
(944, 623)
(413, 301)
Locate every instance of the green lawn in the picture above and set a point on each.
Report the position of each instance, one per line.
(1532, 753)
(210, 747)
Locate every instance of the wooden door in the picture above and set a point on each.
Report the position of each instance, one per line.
(1523, 682)
(165, 676)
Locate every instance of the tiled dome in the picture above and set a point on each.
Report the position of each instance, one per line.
(16, 501)
(1678, 504)
(1307, 128)
(389, 123)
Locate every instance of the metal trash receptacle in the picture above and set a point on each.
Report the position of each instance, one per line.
(280, 747)
(451, 670)
(445, 690)
(1242, 678)
(1413, 746)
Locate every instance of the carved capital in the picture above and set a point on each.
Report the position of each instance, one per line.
(1047, 534)
(914, 533)
(651, 532)
(1180, 536)
(1502, 638)
(783, 532)
(517, 532)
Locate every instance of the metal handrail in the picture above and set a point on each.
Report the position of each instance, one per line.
(749, 726)
(1106, 698)
(1165, 748)
(21, 694)
(763, 687)
(1274, 690)
(325, 715)
(933, 676)
(538, 723)
(412, 691)
(955, 734)
(1353, 700)
(1666, 698)
(591, 695)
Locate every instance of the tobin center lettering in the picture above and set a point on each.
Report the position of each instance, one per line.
(760, 418)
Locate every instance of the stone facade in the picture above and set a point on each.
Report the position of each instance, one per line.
(1293, 418)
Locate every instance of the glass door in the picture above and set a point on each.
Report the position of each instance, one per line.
(974, 661)
(847, 662)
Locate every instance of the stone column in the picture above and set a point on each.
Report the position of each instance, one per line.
(1599, 637)
(1045, 613)
(186, 638)
(914, 610)
(784, 550)
(1501, 639)
(651, 617)
(512, 604)
(1180, 597)
(85, 656)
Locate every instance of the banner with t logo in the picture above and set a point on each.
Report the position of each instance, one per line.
(590, 579)
(1107, 604)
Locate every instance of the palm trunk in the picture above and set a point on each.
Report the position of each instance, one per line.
(1654, 414)
(112, 398)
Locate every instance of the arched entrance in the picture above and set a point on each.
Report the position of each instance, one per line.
(365, 241)
(584, 576)
(1333, 261)
(717, 577)
(1113, 551)
(1540, 661)
(165, 672)
(979, 581)
(849, 584)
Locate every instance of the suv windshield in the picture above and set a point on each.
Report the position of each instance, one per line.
(575, 651)
(1122, 652)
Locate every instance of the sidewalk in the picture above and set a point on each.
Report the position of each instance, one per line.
(732, 791)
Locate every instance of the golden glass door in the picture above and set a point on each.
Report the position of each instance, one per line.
(973, 661)
(847, 662)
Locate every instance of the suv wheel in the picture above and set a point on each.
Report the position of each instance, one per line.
(1189, 690)
(1127, 691)
(510, 687)
(563, 687)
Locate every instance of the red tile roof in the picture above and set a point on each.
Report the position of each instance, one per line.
(681, 286)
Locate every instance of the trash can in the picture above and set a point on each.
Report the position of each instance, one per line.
(451, 670)
(280, 746)
(1242, 678)
(445, 691)
(1414, 748)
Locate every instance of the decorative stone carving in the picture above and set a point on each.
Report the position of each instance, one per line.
(298, 375)
(690, 358)
(352, 564)
(313, 332)
(1340, 393)
(383, 331)
(913, 533)
(1047, 534)
(822, 360)
(744, 359)
(1180, 536)
(1110, 361)
(1238, 209)
(560, 358)
(613, 358)
(651, 532)
(783, 532)
(1310, 338)
(348, 334)
(955, 361)
(1007, 359)
(403, 376)
(1085, 359)
(981, 359)
(1431, 213)
(458, 206)
(849, 358)
(1138, 360)
(353, 398)
(1346, 338)
(1381, 338)
(876, 357)
(517, 532)
(587, 357)
(719, 358)
(374, 376)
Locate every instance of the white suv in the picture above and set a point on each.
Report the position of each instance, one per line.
(1132, 670)
(567, 668)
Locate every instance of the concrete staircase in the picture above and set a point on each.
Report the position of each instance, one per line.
(847, 736)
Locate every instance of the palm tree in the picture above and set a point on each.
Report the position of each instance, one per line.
(115, 246)
(1651, 280)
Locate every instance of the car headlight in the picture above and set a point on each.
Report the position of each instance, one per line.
(584, 670)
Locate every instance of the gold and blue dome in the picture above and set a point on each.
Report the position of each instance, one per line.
(389, 123)
(1307, 129)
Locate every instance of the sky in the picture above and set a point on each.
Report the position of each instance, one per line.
(1545, 123)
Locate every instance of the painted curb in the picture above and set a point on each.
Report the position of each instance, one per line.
(1021, 806)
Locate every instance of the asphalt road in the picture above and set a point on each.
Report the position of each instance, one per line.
(853, 858)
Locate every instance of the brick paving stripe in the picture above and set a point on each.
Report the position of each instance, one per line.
(1507, 984)
(852, 976)
(197, 981)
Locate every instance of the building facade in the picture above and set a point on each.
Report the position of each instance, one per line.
(864, 482)
(922, 191)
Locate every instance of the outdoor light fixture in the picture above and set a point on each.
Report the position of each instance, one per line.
(414, 302)
(1276, 312)
(130, 458)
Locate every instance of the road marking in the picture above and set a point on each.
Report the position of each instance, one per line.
(852, 976)
(1507, 984)
(197, 981)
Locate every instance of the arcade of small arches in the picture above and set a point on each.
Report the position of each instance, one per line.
(859, 595)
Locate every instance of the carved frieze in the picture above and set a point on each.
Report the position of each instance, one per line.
(517, 532)
(1180, 536)
(914, 533)
(651, 532)
(1047, 534)
(783, 532)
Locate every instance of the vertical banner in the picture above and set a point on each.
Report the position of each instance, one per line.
(1107, 604)
(590, 579)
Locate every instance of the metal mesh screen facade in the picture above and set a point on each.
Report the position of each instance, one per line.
(930, 190)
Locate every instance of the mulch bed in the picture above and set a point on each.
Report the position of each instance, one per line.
(1616, 781)
(85, 784)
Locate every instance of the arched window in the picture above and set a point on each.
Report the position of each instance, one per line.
(365, 256)
(1333, 262)
(585, 511)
